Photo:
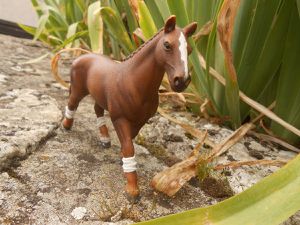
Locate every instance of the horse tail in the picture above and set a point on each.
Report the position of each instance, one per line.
(54, 65)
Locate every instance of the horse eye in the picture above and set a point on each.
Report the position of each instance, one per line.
(167, 46)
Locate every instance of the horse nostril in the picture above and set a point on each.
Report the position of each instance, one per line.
(176, 81)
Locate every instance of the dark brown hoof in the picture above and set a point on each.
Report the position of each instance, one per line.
(67, 123)
(133, 199)
(105, 144)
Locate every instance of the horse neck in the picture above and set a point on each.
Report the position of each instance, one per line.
(144, 69)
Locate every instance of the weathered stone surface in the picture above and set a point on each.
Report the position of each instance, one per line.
(70, 170)
(27, 118)
(293, 220)
(239, 179)
(3, 79)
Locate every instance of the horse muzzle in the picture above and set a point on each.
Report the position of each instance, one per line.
(180, 83)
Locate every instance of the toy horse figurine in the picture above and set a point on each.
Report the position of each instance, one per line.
(129, 90)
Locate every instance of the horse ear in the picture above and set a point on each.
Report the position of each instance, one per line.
(170, 24)
(190, 29)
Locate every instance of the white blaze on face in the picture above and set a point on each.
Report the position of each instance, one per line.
(183, 53)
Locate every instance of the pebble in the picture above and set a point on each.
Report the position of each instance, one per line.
(78, 213)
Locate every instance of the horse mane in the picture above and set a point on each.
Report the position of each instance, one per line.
(142, 46)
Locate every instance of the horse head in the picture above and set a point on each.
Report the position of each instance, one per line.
(172, 51)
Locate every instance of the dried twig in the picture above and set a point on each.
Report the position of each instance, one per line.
(234, 165)
(262, 125)
(193, 131)
(183, 97)
(203, 108)
(260, 116)
(232, 139)
(276, 140)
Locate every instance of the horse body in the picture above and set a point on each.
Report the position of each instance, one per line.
(129, 90)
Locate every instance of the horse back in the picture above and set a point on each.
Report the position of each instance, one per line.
(94, 74)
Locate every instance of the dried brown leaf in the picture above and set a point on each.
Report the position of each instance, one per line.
(54, 64)
(234, 165)
(205, 30)
(139, 33)
(183, 97)
(262, 125)
(135, 7)
(225, 29)
(170, 180)
(276, 140)
(230, 140)
(203, 108)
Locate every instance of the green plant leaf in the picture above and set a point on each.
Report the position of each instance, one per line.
(71, 39)
(71, 31)
(271, 201)
(298, 5)
(177, 8)
(116, 28)
(131, 19)
(41, 26)
(28, 29)
(210, 50)
(57, 16)
(145, 19)
(163, 8)
(270, 56)
(37, 7)
(232, 100)
(155, 13)
(81, 5)
(260, 23)
(53, 3)
(288, 95)
(226, 12)
(95, 27)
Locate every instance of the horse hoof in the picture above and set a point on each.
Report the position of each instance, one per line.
(105, 144)
(67, 123)
(133, 199)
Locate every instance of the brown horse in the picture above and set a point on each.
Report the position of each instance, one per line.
(129, 90)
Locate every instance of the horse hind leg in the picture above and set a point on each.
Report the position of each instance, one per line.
(70, 109)
(105, 141)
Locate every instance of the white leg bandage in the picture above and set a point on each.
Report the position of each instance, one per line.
(69, 113)
(100, 123)
(129, 164)
(104, 139)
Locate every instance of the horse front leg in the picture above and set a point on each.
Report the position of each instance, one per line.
(124, 132)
